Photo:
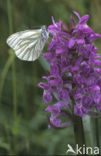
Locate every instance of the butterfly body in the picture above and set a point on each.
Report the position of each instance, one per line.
(28, 44)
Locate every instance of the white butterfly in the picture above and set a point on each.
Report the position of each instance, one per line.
(28, 44)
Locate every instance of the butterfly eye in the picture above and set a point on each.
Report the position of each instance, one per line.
(44, 28)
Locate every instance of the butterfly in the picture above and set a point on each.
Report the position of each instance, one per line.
(28, 44)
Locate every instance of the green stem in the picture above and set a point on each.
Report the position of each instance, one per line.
(79, 132)
(9, 7)
(10, 21)
(5, 71)
(14, 90)
(97, 132)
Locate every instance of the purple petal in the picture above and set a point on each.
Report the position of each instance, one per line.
(53, 21)
(77, 14)
(55, 122)
(94, 36)
(79, 110)
(84, 19)
(80, 41)
(71, 43)
(63, 94)
(47, 98)
(43, 85)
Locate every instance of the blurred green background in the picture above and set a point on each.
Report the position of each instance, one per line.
(23, 121)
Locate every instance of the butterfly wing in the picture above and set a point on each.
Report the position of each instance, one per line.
(27, 44)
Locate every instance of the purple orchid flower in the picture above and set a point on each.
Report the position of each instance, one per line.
(75, 74)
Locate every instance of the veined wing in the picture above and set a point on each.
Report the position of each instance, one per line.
(27, 44)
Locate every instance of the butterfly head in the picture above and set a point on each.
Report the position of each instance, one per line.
(44, 33)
